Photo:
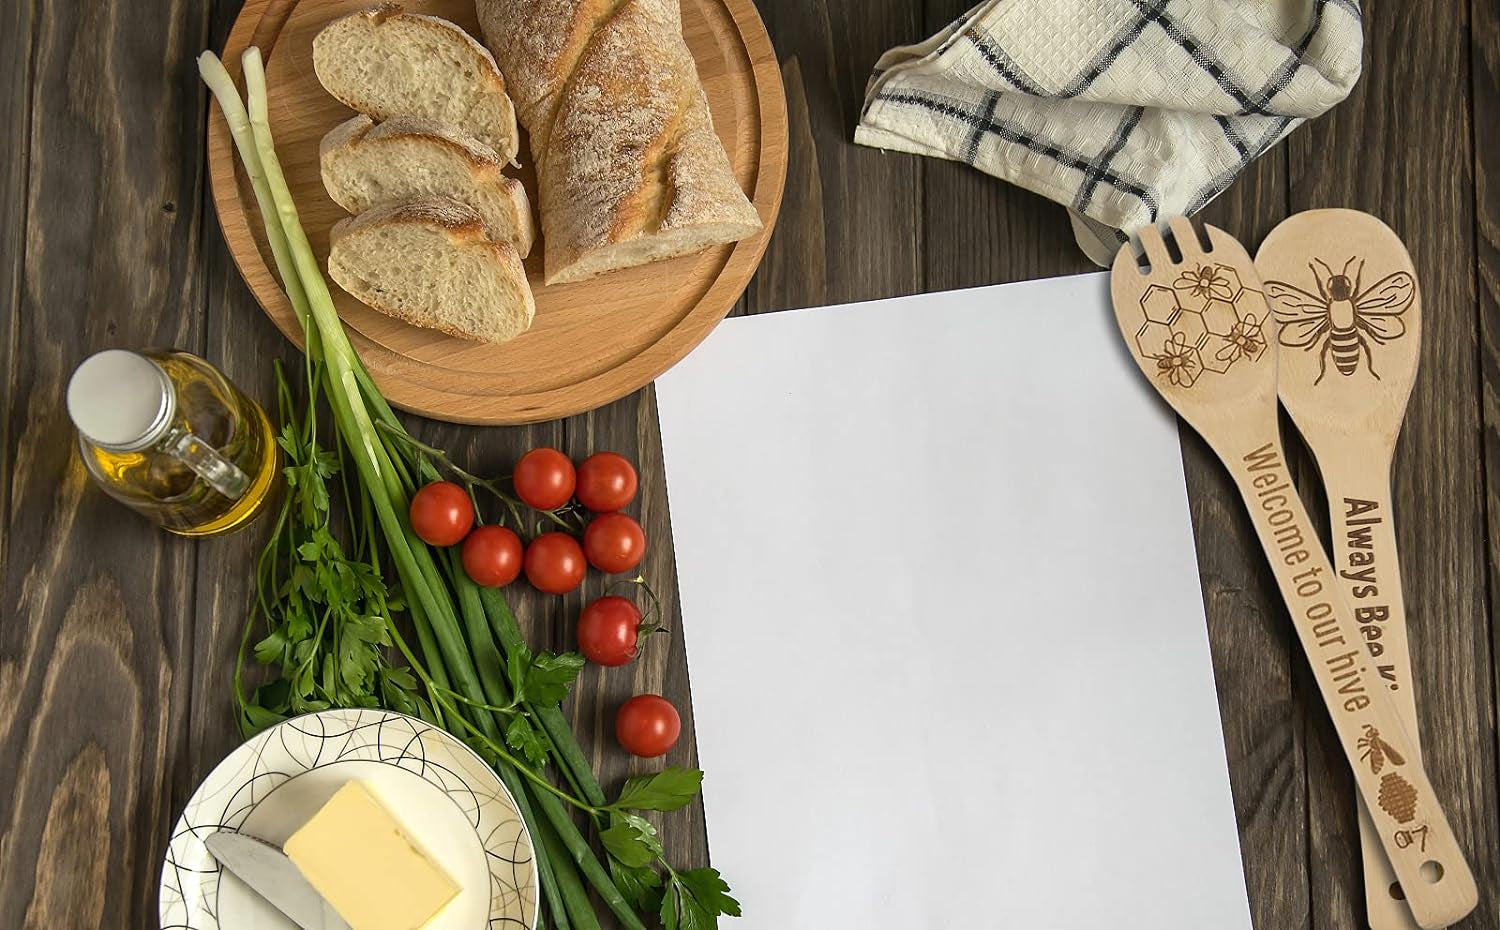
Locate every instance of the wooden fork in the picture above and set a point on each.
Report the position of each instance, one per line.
(1199, 327)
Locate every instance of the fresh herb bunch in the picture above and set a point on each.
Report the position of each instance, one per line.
(327, 612)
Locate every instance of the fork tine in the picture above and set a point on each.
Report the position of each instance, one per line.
(1154, 246)
(1229, 245)
(1126, 262)
(1186, 236)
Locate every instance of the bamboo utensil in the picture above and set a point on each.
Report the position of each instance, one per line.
(1342, 287)
(1197, 326)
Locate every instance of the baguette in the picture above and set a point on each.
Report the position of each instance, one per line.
(429, 263)
(407, 158)
(629, 168)
(385, 62)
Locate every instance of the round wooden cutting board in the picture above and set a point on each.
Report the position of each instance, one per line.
(591, 342)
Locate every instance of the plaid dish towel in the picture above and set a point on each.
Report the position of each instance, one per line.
(1121, 110)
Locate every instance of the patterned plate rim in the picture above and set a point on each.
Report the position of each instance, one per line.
(226, 797)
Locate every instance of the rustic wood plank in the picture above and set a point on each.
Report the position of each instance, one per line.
(1406, 157)
(851, 232)
(243, 343)
(1485, 99)
(629, 426)
(17, 21)
(97, 662)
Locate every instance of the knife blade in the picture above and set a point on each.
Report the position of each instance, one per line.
(270, 874)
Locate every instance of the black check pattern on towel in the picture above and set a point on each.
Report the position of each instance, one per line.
(1133, 110)
(983, 123)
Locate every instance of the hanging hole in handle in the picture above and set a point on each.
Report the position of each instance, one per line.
(1396, 892)
(1432, 871)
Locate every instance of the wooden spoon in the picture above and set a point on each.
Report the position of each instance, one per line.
(1343, 288)
(1198, 327)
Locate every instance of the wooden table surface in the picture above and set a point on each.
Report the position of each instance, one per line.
(116, 641)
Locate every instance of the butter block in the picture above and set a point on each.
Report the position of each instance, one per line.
(360, 859)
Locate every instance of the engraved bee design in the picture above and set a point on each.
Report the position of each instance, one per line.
(1344, 317)
(1179, 362)
(1244, 340)
(1376, 751)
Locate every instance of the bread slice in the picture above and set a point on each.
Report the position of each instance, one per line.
(385, 62)
(408, 158)
(429, 263)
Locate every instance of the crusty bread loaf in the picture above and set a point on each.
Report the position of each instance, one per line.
(629, 168)
(429, 263)
(385, 62)
(407, 158)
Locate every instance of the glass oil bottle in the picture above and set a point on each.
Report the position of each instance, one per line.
(166, 434)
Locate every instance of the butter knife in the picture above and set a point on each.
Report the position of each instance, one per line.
(270, 874)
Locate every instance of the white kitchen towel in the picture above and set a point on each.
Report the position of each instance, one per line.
(1124, 111)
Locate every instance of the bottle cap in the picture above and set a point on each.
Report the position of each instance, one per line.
(121, 400)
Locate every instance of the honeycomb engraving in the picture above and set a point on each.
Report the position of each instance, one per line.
(1205, 322)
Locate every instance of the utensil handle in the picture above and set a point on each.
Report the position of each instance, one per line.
(1365, 556)
(1404, 810)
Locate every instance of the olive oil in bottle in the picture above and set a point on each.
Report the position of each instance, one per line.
(166, 434)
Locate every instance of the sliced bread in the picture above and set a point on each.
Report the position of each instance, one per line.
(408, 158)
(429, 263)
(385, 62)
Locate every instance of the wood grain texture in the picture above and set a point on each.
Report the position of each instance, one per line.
(99, 616)
(95, 655)
(592, 341)
(1485, 97)
(854, 232)
(1425, 192)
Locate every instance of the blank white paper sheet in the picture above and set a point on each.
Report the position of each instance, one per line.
(944, 628)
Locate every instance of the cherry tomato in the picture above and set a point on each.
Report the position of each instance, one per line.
(614, 542)
(647, 726)
(492, 556)
(544, 479)
(554, 563)
(607, 631)
(442, 514)
(606, 482)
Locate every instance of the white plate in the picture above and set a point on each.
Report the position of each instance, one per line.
(451, 801)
